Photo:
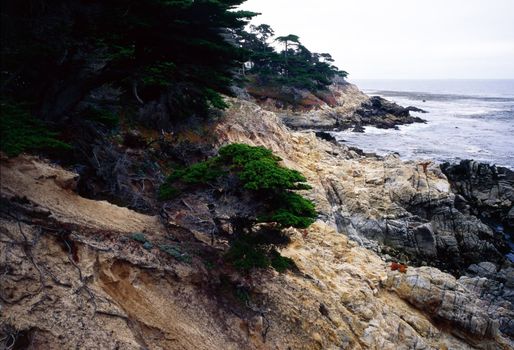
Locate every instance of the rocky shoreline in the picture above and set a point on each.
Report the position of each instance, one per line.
(464, 229)
(351, 109)
(88, 279)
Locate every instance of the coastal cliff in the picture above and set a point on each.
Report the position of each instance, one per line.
(75, 273)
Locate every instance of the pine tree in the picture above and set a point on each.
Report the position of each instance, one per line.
(55, 52)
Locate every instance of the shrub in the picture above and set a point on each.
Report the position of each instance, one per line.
(199, 173)
(139, 237)
(240, 154)
(102, 116)
(245, 255)
(167, 191)
(148, 245)
(249, 252)
(293, 211)
(261, 174)
(19, 132)
(175, 252)
(281, 263)
(267, 174)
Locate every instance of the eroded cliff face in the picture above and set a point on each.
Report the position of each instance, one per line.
(73, 278)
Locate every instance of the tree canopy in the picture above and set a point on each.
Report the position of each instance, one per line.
(56, 52)
(293, 66)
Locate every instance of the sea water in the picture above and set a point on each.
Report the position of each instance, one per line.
(466, 119)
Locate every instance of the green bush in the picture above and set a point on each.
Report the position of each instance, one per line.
(293, 211)
(281, 263)
(267, 174)
(248, 252)
(167, 191)
(239, 154)
(261, 174)
(245, 255)
(19, 132)
(199, 173)
(139, 237)
(259, 171)
(102, 116)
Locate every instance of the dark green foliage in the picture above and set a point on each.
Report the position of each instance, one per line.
(250, 252)
(167, 191)
(293, 211)
(267, 174)
(281, 263)
(55, 52)
(19, 132)
(102, 116)
(157, 74)
(240, 154)
(245, 255)
(259, 170)
(199, 173)
(242, 295)
(295, 66)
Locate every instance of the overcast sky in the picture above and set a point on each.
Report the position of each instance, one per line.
(401, 39)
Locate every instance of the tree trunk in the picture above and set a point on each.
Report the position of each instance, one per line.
(64, 95)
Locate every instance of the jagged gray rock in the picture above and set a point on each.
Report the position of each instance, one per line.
(444, 298)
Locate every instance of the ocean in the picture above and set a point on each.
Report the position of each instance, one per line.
(466, 119)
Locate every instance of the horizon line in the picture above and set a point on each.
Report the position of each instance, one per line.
(430, 78)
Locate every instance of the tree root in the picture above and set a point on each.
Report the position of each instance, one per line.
(27, 247)
(84, 286)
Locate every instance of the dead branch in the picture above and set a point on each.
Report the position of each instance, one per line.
(187, 205)
(136, 95)
(13, 337)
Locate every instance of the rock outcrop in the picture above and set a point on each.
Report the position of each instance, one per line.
(349, 108)
(73, 276)
(443, 298)
(485, 191)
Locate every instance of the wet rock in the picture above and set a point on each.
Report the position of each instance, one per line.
(415, 109)
(325, 136)
(349, 108)
(489, 190)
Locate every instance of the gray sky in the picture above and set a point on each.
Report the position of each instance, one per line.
(401, 39)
